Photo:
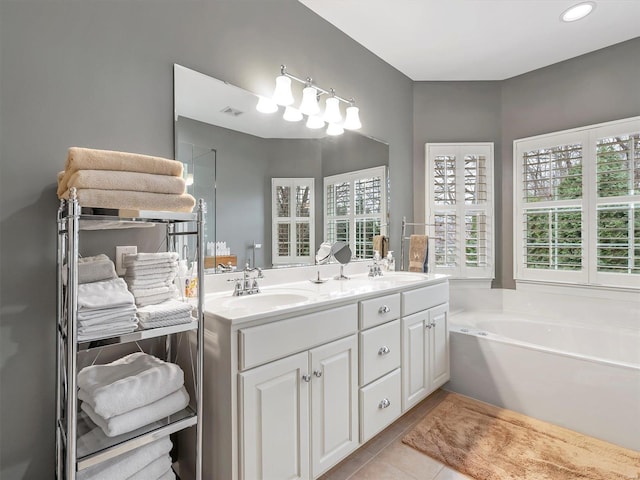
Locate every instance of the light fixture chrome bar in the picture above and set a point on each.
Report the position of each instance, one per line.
(309, 82)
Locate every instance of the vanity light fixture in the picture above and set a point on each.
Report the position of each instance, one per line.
(578, 11)
(266, 105)
(309, 105)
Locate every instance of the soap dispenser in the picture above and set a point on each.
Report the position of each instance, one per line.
(391, 262)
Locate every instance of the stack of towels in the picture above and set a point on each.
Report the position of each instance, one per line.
(150, 277)
(118, 180)
(149, 462)
(131, 392)
(105, 308)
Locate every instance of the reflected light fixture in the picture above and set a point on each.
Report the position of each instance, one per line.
(310, 106)
(292, 114)
(578, 11)
(266, 105)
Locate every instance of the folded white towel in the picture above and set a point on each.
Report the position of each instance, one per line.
(169, 308)
(138, 417)
(130, 322)
(130, 382)
(107, 332)
(145, 259)
(167, 322)
(169, 475)
(154, 470)
(143, 266)
(156, 270)
(153, 299)
(127, 464)
(105, 294)
(148, 292)
(151, 282)
(93, 269)
(92, 317)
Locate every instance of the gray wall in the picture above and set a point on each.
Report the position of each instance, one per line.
(593, 88)
(100, 74)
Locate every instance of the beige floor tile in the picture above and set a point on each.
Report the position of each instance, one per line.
(348, 466)
(449, 474)
(379, 470)
(410, 461)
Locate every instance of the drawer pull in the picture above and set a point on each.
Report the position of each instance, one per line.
(432, 324)
(384, 350)
(317, 373)
(384, 403)
(384, 309)
(306, 378)
(428, 325)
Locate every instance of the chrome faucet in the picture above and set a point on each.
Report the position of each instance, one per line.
(374, 269)
(247, 285)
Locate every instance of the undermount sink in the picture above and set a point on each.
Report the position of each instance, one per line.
(260, 301)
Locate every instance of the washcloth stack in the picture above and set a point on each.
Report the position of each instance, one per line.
(131, 392)
(150, 276)
(105, 308)
(119, 180)
(149, 462)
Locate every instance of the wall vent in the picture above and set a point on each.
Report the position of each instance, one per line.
(232, 111)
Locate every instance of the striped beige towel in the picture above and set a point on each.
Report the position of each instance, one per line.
(125, 199)
(135, 181)
(91, 159)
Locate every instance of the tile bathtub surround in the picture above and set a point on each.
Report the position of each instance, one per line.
(386, 457)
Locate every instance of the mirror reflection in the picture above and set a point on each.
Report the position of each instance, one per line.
(275, 190)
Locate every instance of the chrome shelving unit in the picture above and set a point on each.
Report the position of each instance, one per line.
(73, 452)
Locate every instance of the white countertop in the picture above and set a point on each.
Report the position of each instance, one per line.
(304, 295)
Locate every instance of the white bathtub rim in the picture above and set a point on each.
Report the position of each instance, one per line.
(468, 330)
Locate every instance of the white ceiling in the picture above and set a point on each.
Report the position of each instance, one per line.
(477, 39)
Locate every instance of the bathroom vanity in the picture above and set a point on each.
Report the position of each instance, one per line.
(300, 375)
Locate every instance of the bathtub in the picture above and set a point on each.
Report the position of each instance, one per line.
(583, 378)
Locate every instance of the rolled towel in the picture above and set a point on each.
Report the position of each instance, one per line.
(154, 470)
(139, 417)
(93, 269)
(127, 464)
(418, 245)
(104, 295)
(135, 181)
(132, 200)
(162, 310)
(91, 159)
(130, 382)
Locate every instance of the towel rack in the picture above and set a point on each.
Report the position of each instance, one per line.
(404, 237)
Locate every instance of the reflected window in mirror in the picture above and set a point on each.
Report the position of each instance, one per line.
(293, 218)
(355, 209)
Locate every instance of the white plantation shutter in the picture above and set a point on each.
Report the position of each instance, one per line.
(459, 206)
(292, 207)
(577, 195)
(355, 209)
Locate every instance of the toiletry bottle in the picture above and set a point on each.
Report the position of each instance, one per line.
(191, 282)
(391, 262)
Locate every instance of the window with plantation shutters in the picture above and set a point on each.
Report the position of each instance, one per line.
(459, 209)
(292, 220)
(577, 195)
(355, 209)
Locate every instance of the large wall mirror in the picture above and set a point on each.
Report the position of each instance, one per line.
(275, 190)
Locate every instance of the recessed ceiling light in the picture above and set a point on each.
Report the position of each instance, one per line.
(577, 11)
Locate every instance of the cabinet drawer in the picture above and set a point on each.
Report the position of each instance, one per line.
(379, 351)
(264, 343)
(423, 298)
(379, 310)
(379, 405)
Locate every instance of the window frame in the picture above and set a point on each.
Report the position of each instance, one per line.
(461, 209)
(351, 178)
(588, 137)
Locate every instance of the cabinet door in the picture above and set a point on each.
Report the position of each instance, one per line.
(414, 359)
(439, 372)
(334, 405)
(274, 424)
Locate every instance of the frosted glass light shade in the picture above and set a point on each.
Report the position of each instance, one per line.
(332, 110)
(266, 105)
(352, 119)
(292, 114)
(282, 94)
(577, 12)
(334, 129)
(309, 104)
(314, 122)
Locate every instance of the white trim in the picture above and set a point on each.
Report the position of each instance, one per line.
(588, 291)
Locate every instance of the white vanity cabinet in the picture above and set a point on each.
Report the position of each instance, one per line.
(291, 391)
(299, 413)
(425, 342)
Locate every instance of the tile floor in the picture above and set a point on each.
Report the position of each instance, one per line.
(385, 457)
